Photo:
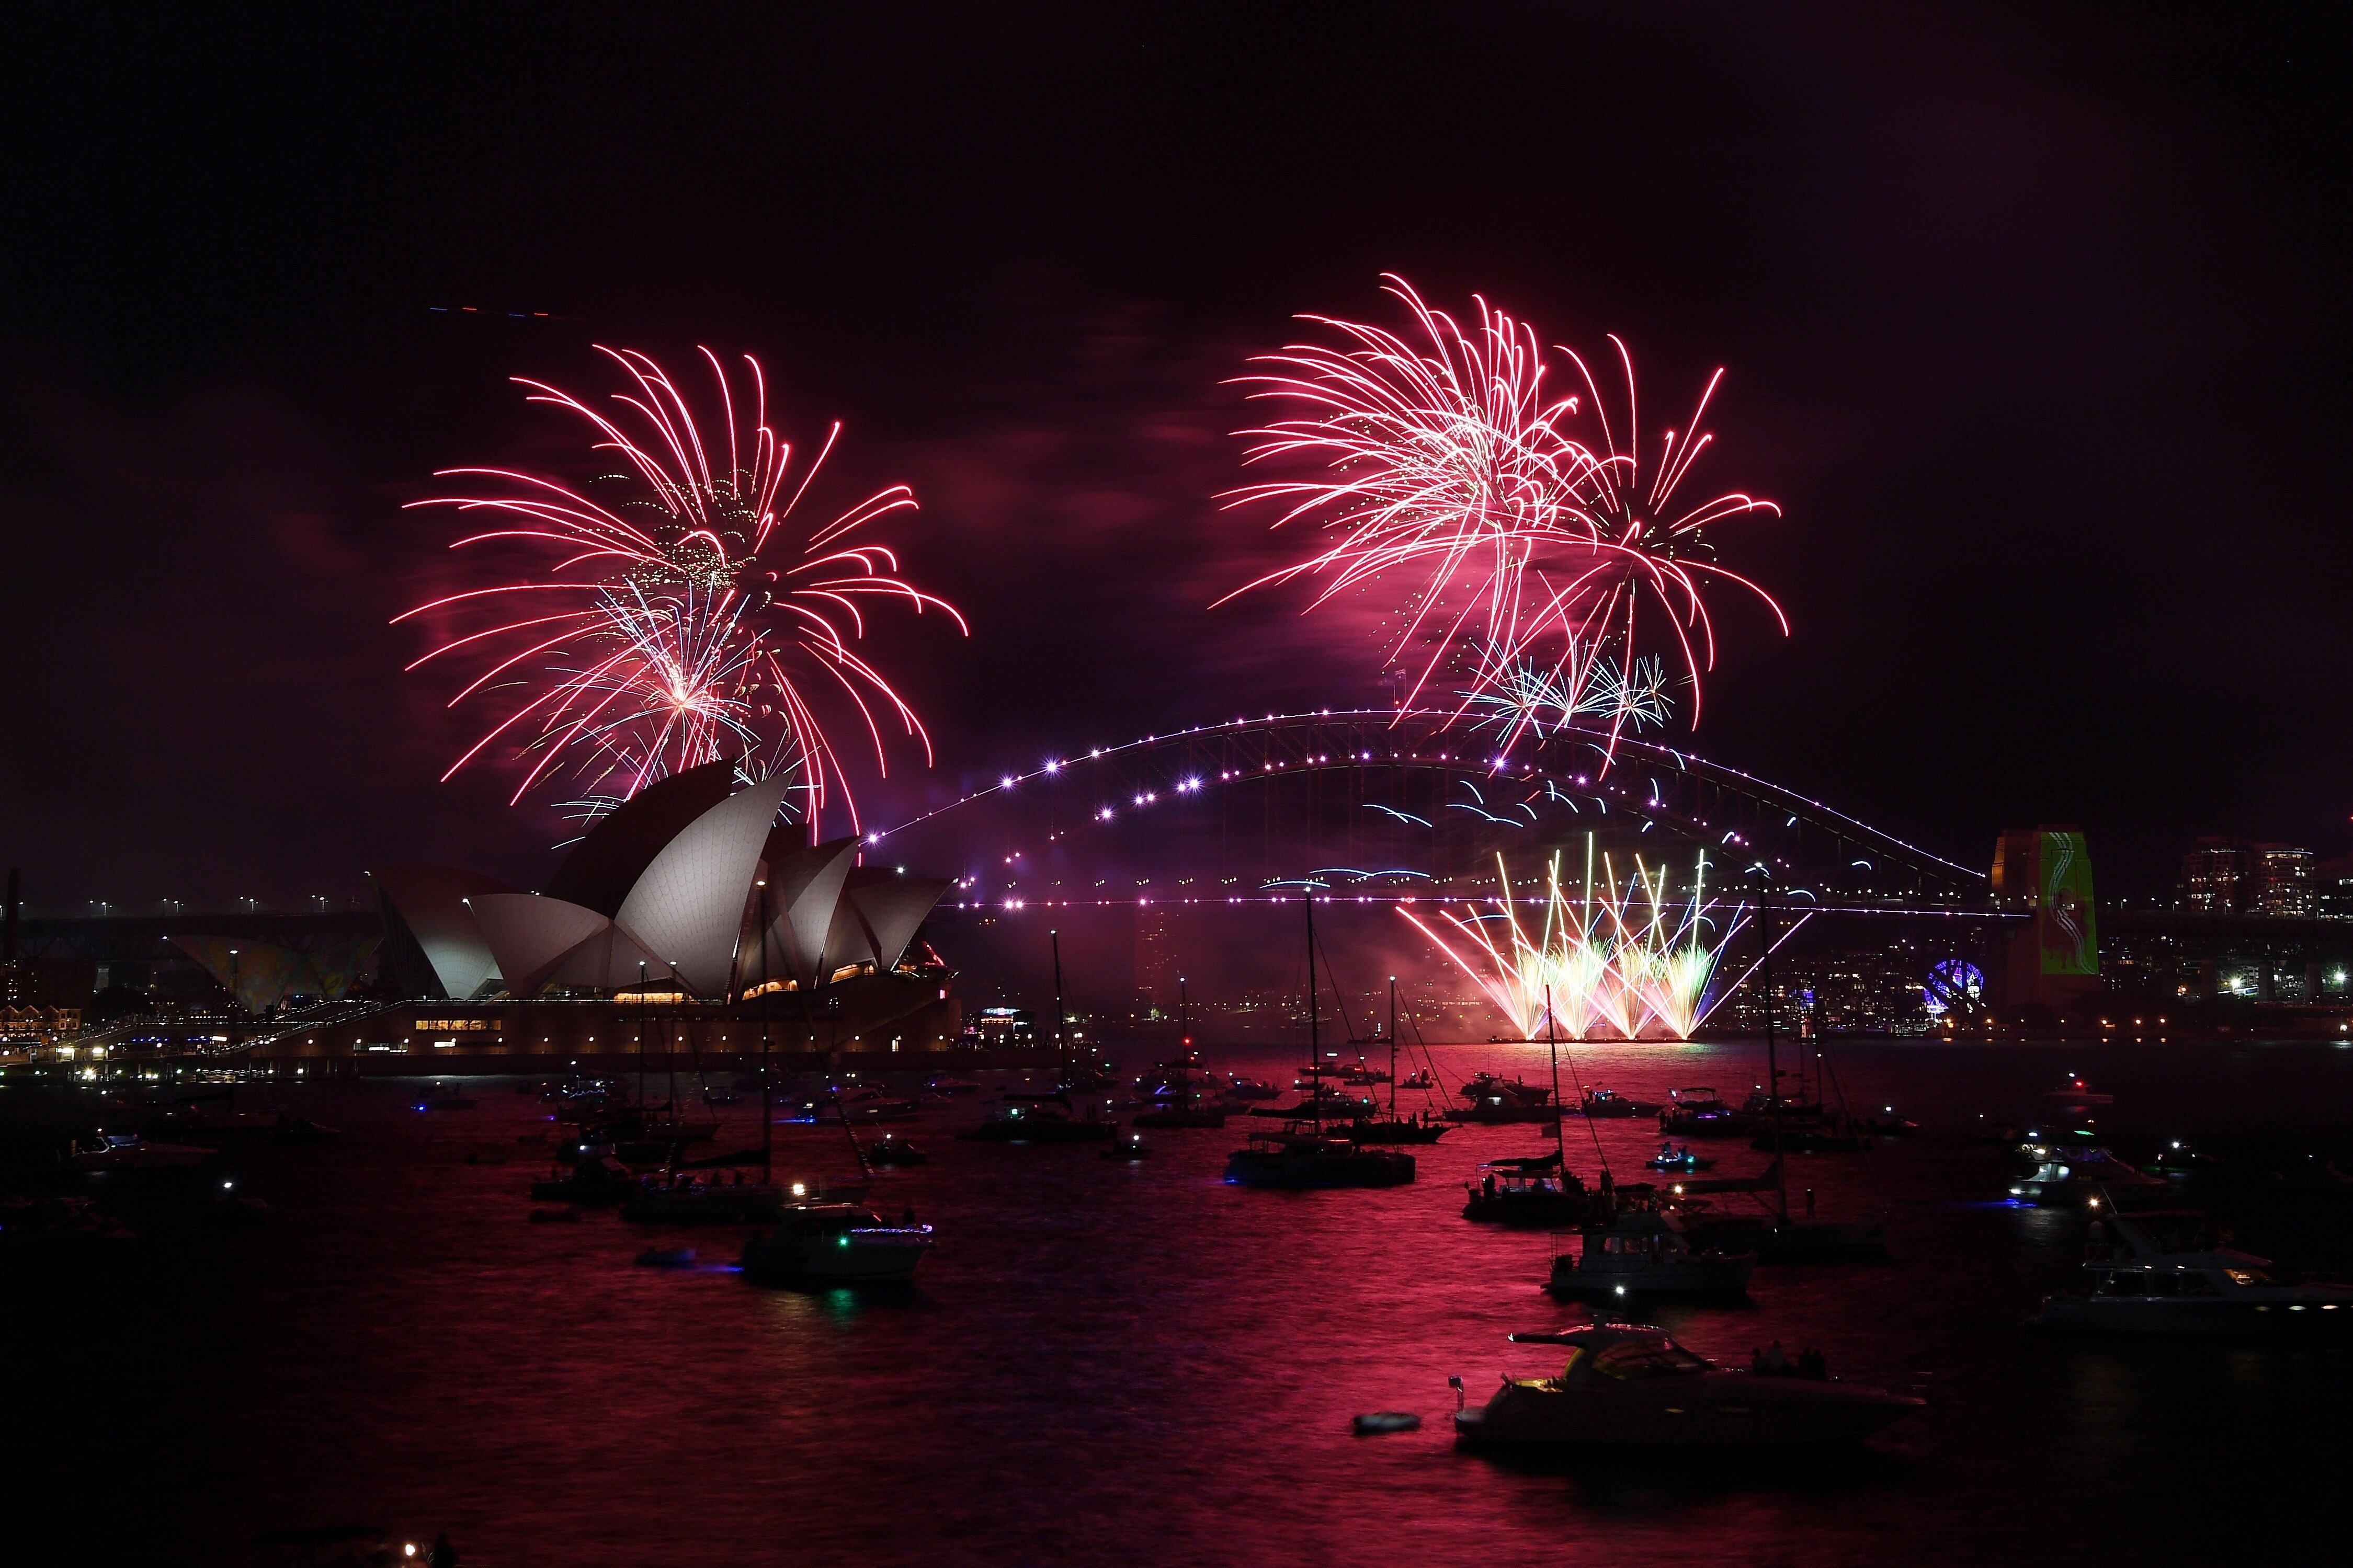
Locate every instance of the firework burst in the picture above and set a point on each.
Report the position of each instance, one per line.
(1520, 552)
(676, 611)
(1612, 959)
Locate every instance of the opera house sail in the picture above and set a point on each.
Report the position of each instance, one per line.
(691, 888)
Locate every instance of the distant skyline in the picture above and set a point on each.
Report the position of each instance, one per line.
(2032, 325)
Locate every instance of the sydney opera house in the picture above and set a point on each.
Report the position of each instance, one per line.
(687, 914)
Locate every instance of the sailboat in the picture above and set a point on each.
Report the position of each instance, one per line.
(1182, 1094)
(1393, 1128)
(1053, 1117)
(1539, 1190)
(1781, 1237)
(1301, 1154)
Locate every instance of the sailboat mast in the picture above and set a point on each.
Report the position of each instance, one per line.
(1552, 1050)
(1315, 1043)
(1772, 1053)
(1392, 1047)
(1062, 1046)
(767, 1002)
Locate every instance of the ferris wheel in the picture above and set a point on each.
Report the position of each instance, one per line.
(1954, 985)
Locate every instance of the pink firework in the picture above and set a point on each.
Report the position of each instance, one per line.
(1518, 551)
(1443, 463)
(680, 614)
(1645, 543)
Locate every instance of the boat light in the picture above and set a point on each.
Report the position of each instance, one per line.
(800, 1190)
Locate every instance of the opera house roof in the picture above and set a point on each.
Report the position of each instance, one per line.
(690, 883)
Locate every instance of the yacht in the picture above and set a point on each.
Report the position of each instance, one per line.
(1179, 1094)
(1042, 1119)
(1632, 1385)
(1494, 1099)
(1699, 1112)
(836, 1243)
(600, 1180)
(130, 1152)
(2063, 1175)
(1644, 1249)
(1678, 1160)
(1531, 1192)
(1608, 1103)
(1298, 1156)
(688, 1197)
(2165, 1271)
(892, 1149)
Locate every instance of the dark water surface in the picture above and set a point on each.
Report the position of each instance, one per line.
(1137, 1364)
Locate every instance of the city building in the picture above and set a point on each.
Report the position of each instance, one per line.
(2224, 876)
(2213, 878)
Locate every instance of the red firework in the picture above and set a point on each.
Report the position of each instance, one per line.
(680, 616)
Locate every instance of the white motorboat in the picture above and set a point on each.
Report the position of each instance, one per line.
(1646, 1250)
(2165, 1271)
(2063, 1175)
(1630, 1385)
(836, 1243)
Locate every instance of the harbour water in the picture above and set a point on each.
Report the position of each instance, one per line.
(1139, 1364)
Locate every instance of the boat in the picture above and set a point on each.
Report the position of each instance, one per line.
(301, 1130)
(602, 1180)
(1249, 1090)
(59, 1228)
(1420, 1079)
(205, 1124)
(1643, 1247)
(1042, 1117)
(1194, 1113)
(1531, 1192)
(1813, 1139)
(1323, 1103)
(130, 1152)
(1302, 1154)
(1049, 1118)
(1678, 1160)
(889, 1150)
(2064, 1176)
(686, 1199)
(864, 1103)
(2075, 1094)
(1393, 1128)
(1496, 1099)
(2168, 1272)
(945, 1084)
(1301, 1157)
(836, 1243)
(1179, 1093)
(1699, 1112)
(443, 1096)
(1608, 1103)
(2179, 1157)
(1630, 1385)
(1131, 1147)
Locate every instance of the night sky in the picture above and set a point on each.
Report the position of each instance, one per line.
(2034, 316)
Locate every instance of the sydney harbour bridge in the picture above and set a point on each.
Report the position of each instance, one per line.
(1215, 829)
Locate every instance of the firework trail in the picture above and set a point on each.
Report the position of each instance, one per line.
(1521, 551)
(1611, 960)
(682, 612)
